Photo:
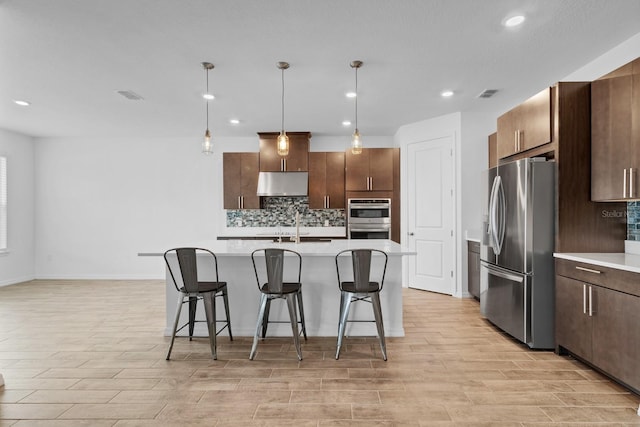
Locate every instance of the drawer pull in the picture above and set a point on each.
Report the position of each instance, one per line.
(588, 270)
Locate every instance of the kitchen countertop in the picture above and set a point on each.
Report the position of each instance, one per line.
(472, 235)
(315, 248)
(230, 232)
(618, 260)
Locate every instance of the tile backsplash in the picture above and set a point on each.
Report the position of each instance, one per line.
(633, 221)
(281, 212)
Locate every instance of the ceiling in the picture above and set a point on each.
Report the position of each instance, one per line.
(70, 57)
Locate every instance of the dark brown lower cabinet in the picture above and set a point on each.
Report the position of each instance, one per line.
(599, 322)
(473, 268)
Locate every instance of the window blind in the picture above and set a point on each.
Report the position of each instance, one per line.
(3, 203)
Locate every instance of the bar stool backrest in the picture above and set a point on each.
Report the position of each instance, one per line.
(275, 263)
(361, 263)
(188, 263)
(361, 259)
(274, 259)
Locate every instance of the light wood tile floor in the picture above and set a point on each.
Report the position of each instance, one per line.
(91, 353)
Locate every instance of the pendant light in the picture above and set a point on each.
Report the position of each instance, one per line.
(356, 141)
(283, 139)
(207, 146)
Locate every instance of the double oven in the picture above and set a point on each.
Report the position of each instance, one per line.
(369, 218)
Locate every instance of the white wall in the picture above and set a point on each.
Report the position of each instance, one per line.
(102, 201)
(625, 52)
(17, 265)
(474, 158)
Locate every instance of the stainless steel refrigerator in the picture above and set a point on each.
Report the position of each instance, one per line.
(517, 266)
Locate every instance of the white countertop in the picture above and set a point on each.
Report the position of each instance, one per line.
(245, 247)
(620, 261)
(284, 231)
(472, 235)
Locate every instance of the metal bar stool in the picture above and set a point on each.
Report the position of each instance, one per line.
(276, 288)
(193, 289)
(361, 289)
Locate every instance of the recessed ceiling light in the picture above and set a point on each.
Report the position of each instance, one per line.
(514, 21)
(208, 96)
(234, 121)
(446, 93)
(350, 94)
(346, 123)
(21, 102)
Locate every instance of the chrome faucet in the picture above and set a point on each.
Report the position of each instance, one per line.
(296, 237)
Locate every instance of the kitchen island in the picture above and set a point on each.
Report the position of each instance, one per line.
(320, 291)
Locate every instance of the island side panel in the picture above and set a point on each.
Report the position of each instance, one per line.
(320, 293)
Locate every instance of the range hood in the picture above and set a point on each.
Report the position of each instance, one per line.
(283, 183)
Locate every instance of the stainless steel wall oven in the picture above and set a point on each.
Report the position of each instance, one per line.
(369, 218)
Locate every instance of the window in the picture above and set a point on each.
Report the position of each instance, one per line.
(3, 204)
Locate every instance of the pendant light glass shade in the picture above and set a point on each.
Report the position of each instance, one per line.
(283, 139)
(283, 144)
(356, 141)
(207, 146)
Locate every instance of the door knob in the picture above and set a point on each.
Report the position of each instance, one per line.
(411, 234)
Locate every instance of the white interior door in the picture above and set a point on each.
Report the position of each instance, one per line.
(431, 214)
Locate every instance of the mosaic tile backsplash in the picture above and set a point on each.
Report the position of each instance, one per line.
(281, 212)
(633, 221)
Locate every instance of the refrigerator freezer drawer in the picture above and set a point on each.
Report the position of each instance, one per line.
(505, 300)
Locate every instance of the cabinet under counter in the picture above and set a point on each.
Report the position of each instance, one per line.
(598, 312)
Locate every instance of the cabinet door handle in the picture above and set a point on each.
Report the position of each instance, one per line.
(584, 299)
(624, 184)
(590, 301)
(588, 270)
(371, 178)
(328, 202)
(239, 203)
(631, 182)
(515, 141)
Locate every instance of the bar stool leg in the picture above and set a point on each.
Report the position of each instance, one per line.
(301, 308)
(209, 300)
(193, 304)
(263, 303)
(175, 323)
(265, 318)
(293, 315)
(377, 312)
(344, 315)
(225, 298)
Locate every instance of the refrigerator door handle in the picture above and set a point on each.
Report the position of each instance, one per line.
(505, 275)
(502, 216)
(493, 237)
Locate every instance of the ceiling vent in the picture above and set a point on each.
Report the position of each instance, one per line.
(131, 95)
(487, 93)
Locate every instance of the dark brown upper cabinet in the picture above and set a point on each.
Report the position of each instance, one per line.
(615, 134)
(526, 126)
(326, 180)
(240, 174)
(371, 170)
(296, 160)
(492, 145)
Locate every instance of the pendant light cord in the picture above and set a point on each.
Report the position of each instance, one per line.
(282, 100)
(207, 70)
(356, 98)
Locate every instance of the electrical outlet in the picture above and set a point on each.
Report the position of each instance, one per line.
(239, 222)
(326, 222)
